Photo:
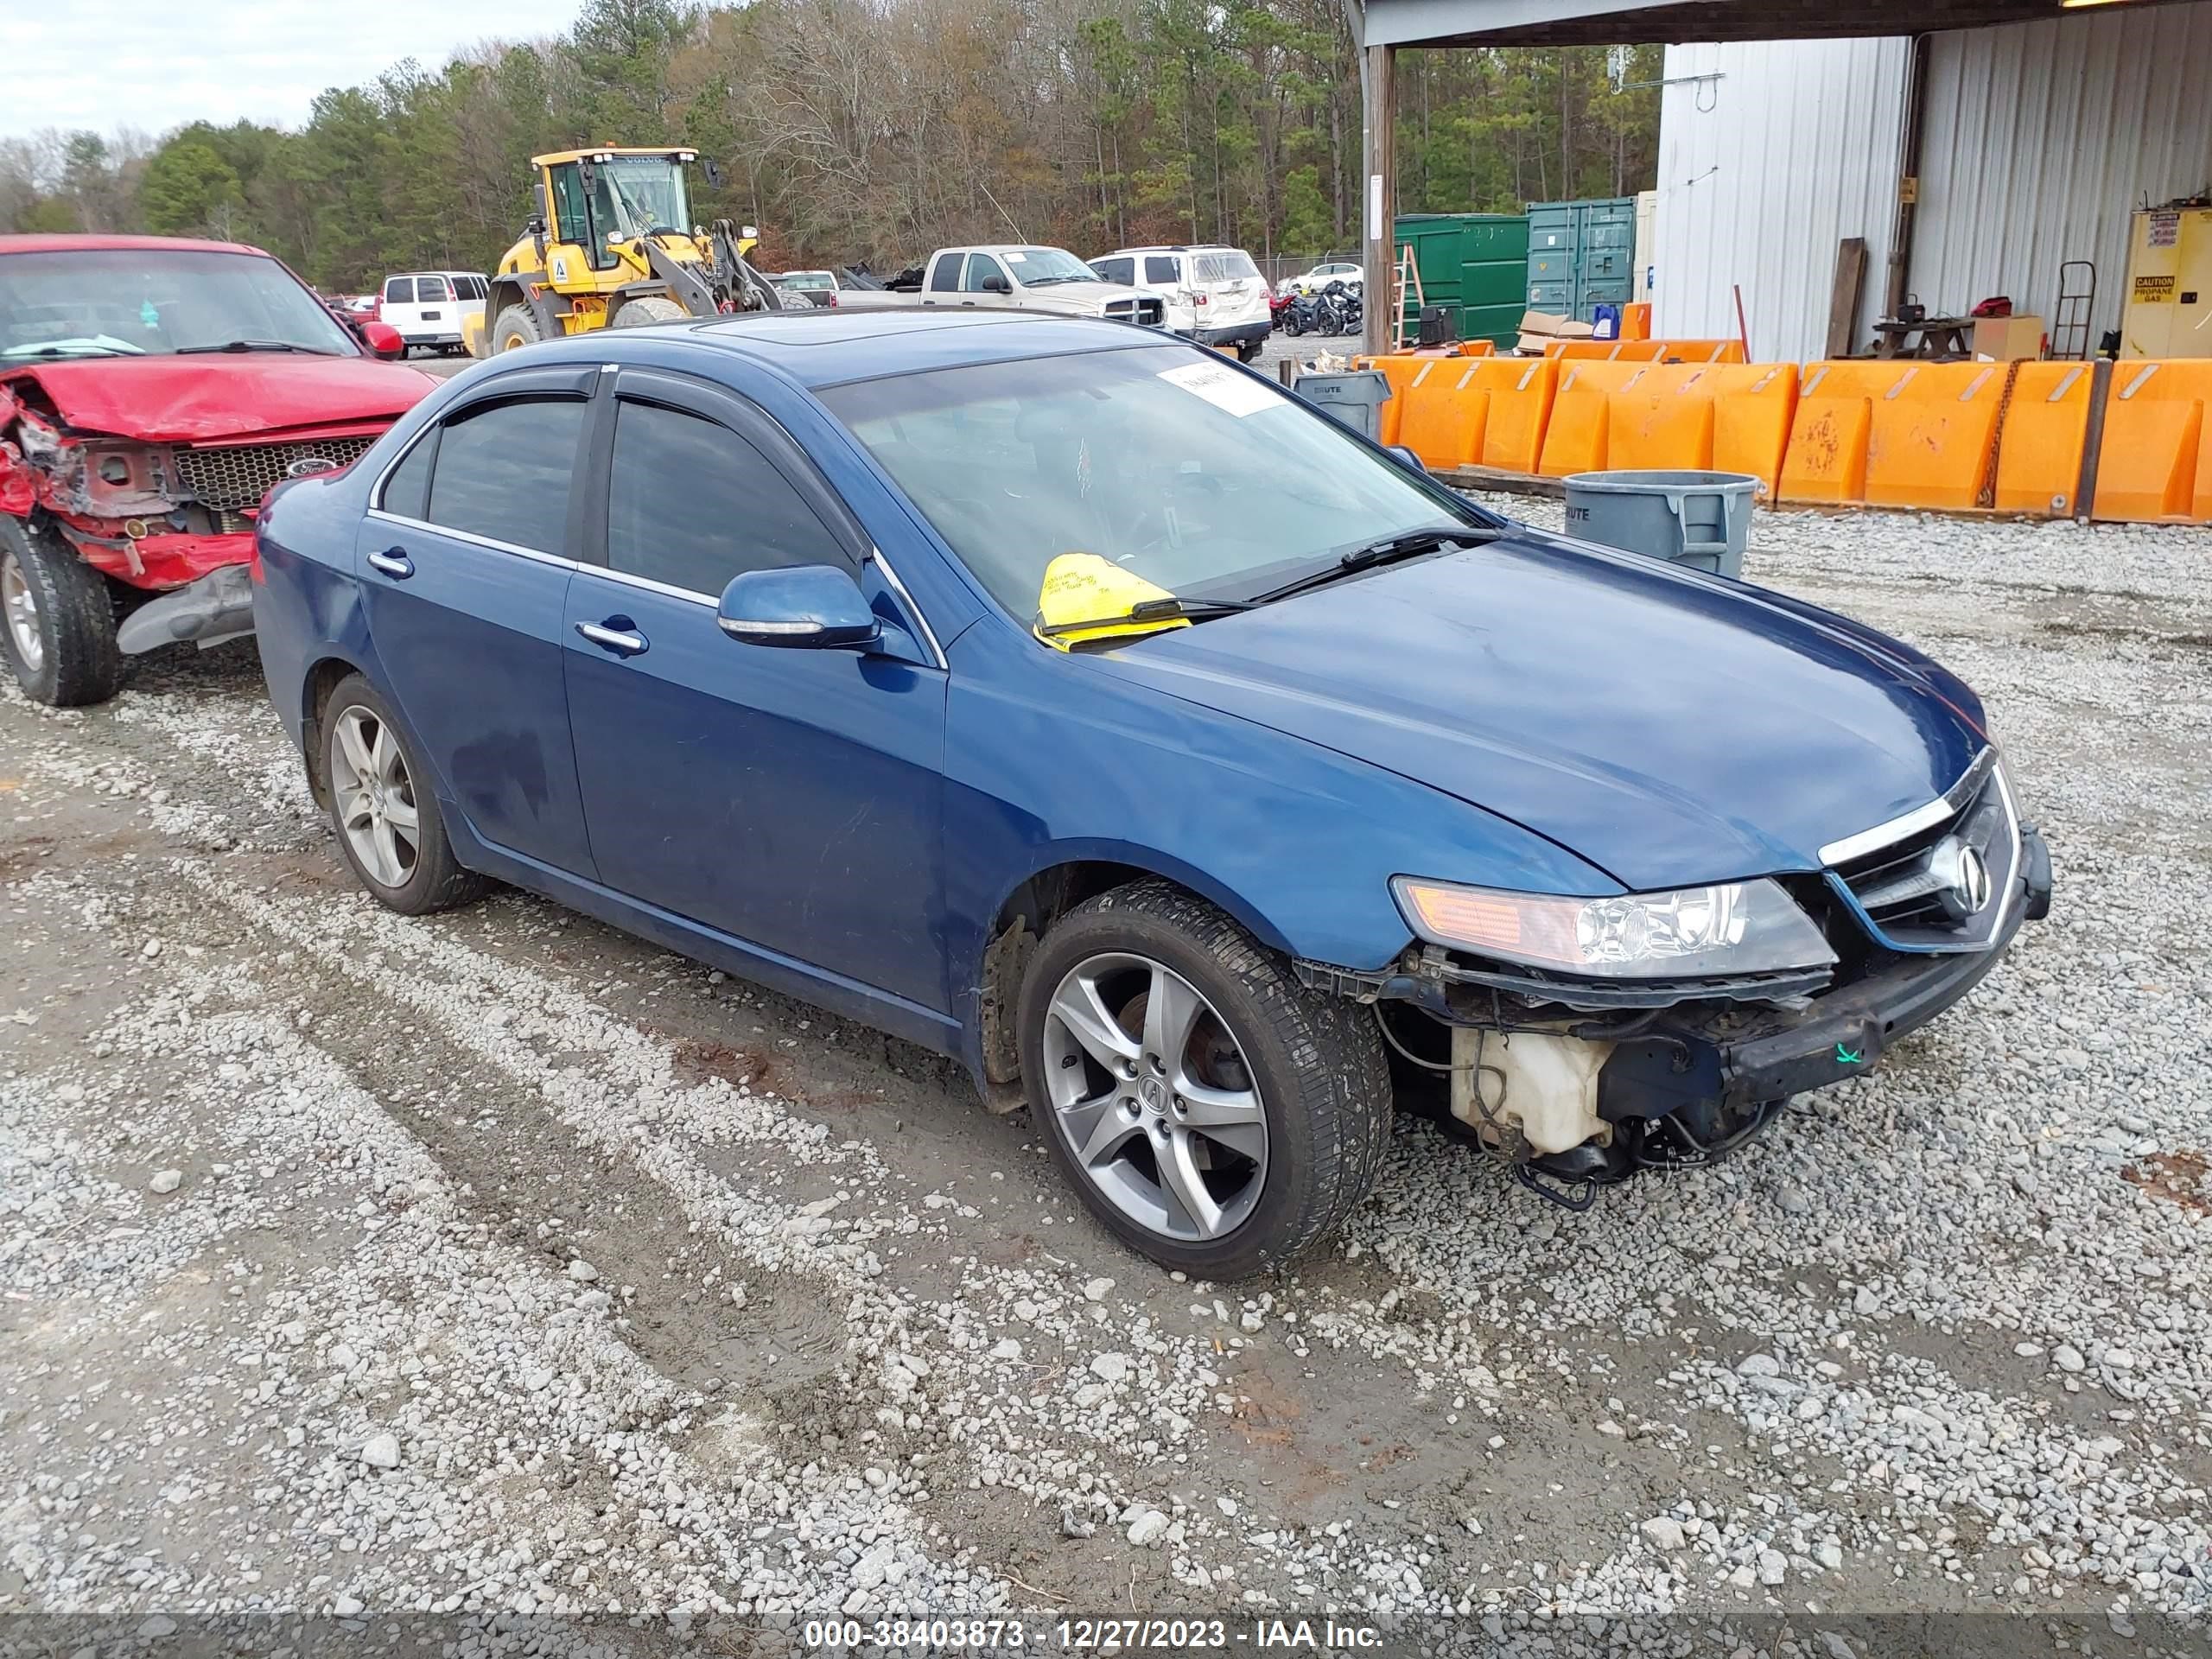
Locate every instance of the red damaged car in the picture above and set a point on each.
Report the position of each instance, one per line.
(151, 392)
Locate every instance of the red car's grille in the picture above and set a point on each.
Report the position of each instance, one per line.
(236, 476)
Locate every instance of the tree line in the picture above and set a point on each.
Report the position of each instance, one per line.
(875, 129)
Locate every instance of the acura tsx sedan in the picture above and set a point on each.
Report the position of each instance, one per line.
(1081, 705)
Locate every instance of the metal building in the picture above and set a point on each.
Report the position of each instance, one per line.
(1973, 143)
(2036, 141)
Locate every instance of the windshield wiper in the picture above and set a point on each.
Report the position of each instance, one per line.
(1389, 549)
(17, 354)
(256, 346)
(1156, 610)
(1045, 281)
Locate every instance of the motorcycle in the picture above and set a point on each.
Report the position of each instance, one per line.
(1347, 309)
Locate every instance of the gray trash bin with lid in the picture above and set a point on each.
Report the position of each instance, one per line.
(1354, 397)
(1700, 519)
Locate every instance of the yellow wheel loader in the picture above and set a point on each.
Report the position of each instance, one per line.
(608, 248)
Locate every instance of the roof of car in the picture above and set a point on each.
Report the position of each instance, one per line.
(826, 346)
(84, 242)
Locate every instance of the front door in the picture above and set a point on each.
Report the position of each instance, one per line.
(787, 798)
(464, 564)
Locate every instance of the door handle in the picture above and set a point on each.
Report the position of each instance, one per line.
(623, 642)
(394, 562)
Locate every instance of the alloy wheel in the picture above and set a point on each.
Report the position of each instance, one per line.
(375, 797)
(1153, 1098)
(19, 604)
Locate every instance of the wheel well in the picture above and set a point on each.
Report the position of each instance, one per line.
(322, 679)
(1028, 913)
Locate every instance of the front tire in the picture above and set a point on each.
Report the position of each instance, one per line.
(57, 619)
(646, 309)
(384, 810)
(1211, 1112)
(514, 327)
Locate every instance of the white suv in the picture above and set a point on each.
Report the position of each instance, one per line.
(1215, 296)
(427, 305)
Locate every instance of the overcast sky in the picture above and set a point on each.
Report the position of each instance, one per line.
(156, 64)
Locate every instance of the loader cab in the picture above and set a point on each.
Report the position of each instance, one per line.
(600, 198)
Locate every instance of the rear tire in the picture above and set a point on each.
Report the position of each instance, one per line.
(645, 310)
(514, 327)
(1249, 350)
(57, 619)
(1293, 1083)
(384, 810)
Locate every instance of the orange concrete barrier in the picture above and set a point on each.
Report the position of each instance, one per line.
(1647, 351)
(1732, 417)
(1894, 435)
(1402, 369)
(1479, 412)
(1575, 439)
(2155, 466)
(2039, 449)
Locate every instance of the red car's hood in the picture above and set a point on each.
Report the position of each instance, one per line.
(191, 399)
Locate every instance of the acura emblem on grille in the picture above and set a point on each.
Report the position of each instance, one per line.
(308, 466)
(1963, 875)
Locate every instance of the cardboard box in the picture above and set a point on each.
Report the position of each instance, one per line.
(1547, 324)
(2007, 340)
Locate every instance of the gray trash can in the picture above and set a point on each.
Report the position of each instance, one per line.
(1700, 519)
(1355, 398)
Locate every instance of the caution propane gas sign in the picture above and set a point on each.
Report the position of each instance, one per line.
(2154, 291)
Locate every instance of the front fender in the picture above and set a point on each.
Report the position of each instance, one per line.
(1050, 759)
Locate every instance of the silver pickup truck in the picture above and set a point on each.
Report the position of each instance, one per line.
(1010, 274)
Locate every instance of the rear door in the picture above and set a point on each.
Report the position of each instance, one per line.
(464, 563)
(397, 306)
(786, 798)
(942, 285)
(435, 315)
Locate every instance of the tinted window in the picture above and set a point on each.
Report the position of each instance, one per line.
(981, 266)
(400, 290)
(503, 471)
(945, 276)
(692, 504)
(407, 491)
(569, 222)
(1161, 268)
(1115, 270)
(428, 289)
(1231, 267)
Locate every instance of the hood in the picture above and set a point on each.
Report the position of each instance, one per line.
(211, 395)
(1669, 729)
(1084, 297)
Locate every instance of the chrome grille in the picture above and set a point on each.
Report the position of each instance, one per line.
(1147, 310)
(236, 476)
(1914, 889)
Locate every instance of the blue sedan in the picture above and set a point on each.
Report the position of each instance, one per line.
(1078, 704)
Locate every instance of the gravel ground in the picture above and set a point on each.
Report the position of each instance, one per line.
(499, 1264)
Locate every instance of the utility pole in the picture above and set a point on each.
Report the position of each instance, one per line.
(1378, 193)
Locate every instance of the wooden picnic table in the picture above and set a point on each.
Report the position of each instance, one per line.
(1939, 338)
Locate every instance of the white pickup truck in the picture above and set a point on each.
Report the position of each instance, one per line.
(1008, 274)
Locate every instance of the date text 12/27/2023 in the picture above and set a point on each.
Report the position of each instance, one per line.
(1111, 1634)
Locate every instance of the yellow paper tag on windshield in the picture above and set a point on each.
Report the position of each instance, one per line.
(1083, 586)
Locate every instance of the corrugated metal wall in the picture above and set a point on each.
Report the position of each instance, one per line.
(2040, 138)
(1762, 171)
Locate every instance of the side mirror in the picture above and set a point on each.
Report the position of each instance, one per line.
(996, 283)
(805, 607)
(383, 338)
(1412, 462)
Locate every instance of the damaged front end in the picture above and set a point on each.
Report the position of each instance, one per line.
(1583, 1080)
(171, 520)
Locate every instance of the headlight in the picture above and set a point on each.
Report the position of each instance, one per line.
(1740, 927)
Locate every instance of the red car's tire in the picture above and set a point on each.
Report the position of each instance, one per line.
(57, 619)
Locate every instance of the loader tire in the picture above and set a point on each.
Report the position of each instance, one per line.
(645, 309)
(515, 327)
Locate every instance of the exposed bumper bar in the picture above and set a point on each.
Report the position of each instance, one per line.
(219, 605)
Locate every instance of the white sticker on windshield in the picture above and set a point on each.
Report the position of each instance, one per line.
(1223, 387)
(1017, 259)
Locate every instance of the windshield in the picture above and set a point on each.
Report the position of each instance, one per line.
(636, 195)
(1034, 267)
(1182, 469)
(137, 302)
